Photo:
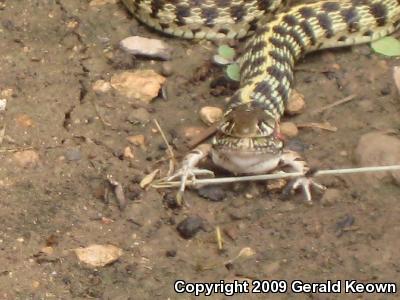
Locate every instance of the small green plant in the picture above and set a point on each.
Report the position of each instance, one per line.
(226, 57)
(388, 46)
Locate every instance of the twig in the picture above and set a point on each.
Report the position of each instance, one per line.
(118, 191)
(11, 150)
(337, 103)
(203, 135)
(213, 181)
(169, 149)
(97, 110)
(324, 126)
(2, 133)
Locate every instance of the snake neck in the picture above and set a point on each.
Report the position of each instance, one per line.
(269, 56)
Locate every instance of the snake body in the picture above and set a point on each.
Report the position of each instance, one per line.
(247, 142)
(270, 54)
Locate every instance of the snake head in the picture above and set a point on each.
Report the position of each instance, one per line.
(249, 128)
(248, 122)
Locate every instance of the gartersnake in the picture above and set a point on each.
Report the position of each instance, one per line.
(248, 139)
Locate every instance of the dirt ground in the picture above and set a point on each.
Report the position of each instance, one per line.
(51, 53)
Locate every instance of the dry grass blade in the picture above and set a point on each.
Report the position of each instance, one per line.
(172, 161)
(396, 77)
(218, 237)
(337, 103)
(324, 126)
(12, 150)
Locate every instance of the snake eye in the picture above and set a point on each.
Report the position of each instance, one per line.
(265, 128)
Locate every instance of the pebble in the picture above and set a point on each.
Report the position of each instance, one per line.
(378, 149)
(232, 232)
(153, 48)
(189, 227)
(276, 185)
(212, 193)
(98, 255)
(211, 115)
(3, 104)
(289, 129)
(238, 214)
(295, 104)
(7, 93)
(343, 223)
(73, 154)
(101, 86)
(170, 253)
(386, 90)
(143, 85)
(128, 153)
(169, 199)
(24, 120)
(35, 284)
(47, 250)
(27, 158)
(167, 69)
(136, 140)
(191, 132)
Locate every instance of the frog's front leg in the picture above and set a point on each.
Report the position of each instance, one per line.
(188, 169)
(294, 161)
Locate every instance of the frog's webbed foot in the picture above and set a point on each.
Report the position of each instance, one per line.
(189, 171)
(307, 181)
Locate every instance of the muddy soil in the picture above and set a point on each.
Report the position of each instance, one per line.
(52, 52)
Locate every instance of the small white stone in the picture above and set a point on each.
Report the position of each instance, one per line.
(296, 103)
(3, 104)
(211, 115)
(138, 45)
(101, 86)
(289, 129)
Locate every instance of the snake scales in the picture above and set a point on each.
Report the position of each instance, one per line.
(269, 56)
(247, 140)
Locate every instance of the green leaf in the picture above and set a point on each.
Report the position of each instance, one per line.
(226, 52)
(233, 72)
(388, 46)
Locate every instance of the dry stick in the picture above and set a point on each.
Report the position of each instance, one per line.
(276, 176)
(324, 126)
(169, 149)
(337, 103)
(11, 150)
(99, 114)
(204, 134)
(2, 133)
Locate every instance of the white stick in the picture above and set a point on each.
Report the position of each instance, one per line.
(276, 176)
